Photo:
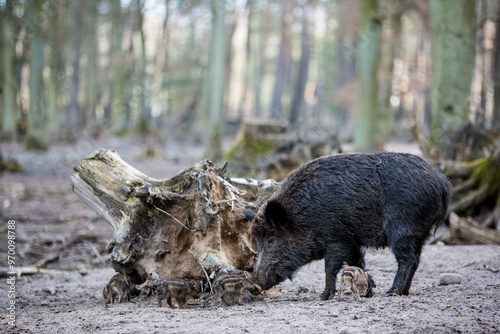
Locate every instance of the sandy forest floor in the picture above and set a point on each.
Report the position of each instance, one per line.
(54, 226)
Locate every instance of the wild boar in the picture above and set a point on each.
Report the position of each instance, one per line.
(357, 279)
(334, 206)
(177, 289)
(118, 286)
(234, 284)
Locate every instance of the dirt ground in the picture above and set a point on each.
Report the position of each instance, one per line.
(55, 227)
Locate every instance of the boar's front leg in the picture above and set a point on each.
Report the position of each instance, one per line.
(332, 267)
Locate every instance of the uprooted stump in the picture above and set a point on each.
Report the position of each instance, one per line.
(177, 227)
(267, 149)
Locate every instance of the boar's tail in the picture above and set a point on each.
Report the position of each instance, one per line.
(445, 201)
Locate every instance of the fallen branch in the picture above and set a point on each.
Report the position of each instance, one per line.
(44, 262)
(31, 270)
(473, 198)
(467, 231)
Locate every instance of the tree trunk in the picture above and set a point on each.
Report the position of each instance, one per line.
(143, 123)
(496, 76)
(248, 62)
(171, 227)
(216, 86)
(36, 136)
(300, 84)
(387, 119)
(74, 108)
(368, 59)
(55, 58)
(453, 35)
(264, 33)
(283, 62)
(91, 73)
(118, 71)
(8, 84)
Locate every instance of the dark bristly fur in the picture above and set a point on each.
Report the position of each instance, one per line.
(357, 279)
(234, 284)
(118, 286)
(177, 289)
(333, 206)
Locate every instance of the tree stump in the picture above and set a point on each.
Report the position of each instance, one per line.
(267, 149)
(177, 227)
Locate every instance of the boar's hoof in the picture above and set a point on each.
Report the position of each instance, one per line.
(325, 295)
(396, 291)
(371, 286)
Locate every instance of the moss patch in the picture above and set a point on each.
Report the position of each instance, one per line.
(250, 148)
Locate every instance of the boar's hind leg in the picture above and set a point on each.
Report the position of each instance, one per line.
(169, 300)
(407, 252)
(334, 259)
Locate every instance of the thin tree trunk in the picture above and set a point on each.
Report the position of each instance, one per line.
(74, 108)
(8, 84)
(300, 85)
(496, 76)
(53, 117)
(92, 69)
(327, 73)
(368, 59)
(283, 62)
(264, 33)
(228, 61)
(216, 75)
(248, 61)
(387, 123)
(143, 124)
(36, 136)
(118, 72)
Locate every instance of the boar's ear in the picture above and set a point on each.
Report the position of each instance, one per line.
(249, 214)
(275, 215)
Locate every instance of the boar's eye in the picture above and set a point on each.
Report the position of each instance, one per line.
(270, 241)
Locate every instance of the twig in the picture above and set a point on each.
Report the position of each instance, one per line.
(468, 264)
(44, 262)
(177, 220)
(208, 279)
(97, 254)
(31, 270)
(232, 190)
(384, 270)
(285, 299)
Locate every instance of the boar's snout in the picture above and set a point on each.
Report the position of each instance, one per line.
(267, 278)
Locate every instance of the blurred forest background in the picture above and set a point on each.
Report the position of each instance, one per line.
(266, 85)
(364, 71)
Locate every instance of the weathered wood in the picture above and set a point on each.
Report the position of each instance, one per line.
(474, 197)
(30, 270)
(468, 231)
(464, 186)
(265, 149)
(493, 220)
(168, 228)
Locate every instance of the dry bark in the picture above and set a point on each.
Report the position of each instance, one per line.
(186, 226)
(468, 231)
